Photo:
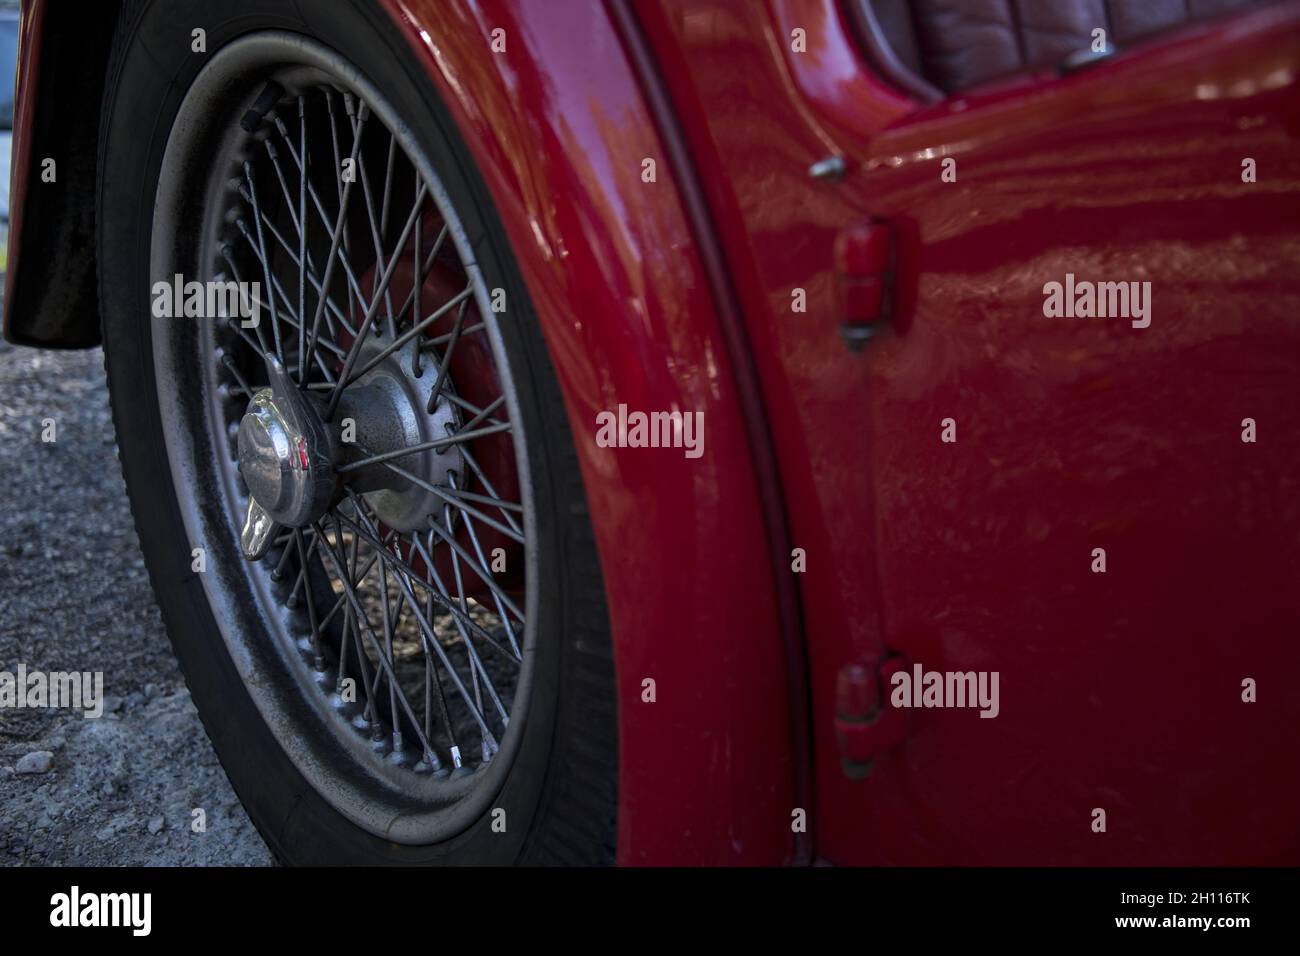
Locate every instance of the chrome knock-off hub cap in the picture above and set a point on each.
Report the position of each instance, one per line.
(286, 455)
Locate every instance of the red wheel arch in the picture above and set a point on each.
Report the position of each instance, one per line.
(559, 124)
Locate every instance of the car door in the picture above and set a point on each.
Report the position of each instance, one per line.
(1091, 499)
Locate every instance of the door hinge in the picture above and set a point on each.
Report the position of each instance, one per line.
(864, 271)
(865, 723)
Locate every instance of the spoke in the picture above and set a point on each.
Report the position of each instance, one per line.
(302, 240)
(478, 552)
(445, 364)
(410, 296)
(415, 262)
(455, 438)
(372, 686)
(261, 255)
(388, 647)
(428, 696)
(243, 334)
(274, 155)
(350, 627)
(438, 596)
(328, 346)
(483, 478)
(341, 601)
(284, 541)
(355, 351)
(461, 299)
(354, 287)
(228, 253)
(388, 184)
(278, 573)
(484, 413)
(301, 580)
(347, 242)
(278, 288)
(229, 363)
(475, 661)
(369, 632)
(324, 344)
(335, 239)
(475, 666)
(371, 218)
(311, 271)
(483, 575)
(468, 406)
(450, 498)
(431, 638)
(485, 499)
(432, 674)
(384, 220)
(432, 344)
(303, 556)
(320, 362)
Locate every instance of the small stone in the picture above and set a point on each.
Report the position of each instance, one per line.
(38, 761)
(150, 691)
(134, 700)
(156, 825)
(112, 704)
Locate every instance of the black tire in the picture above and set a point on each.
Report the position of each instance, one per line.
(560, 791)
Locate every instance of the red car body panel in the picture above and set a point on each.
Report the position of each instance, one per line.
(1122, 690)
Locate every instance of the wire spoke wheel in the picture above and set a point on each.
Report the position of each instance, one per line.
(345, 443)
(345, 436)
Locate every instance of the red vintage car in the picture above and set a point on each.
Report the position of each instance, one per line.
(700, 431)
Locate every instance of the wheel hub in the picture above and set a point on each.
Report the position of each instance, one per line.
(296, 464)
(387, 407)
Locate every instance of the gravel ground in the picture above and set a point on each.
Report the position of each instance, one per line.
(74, 595)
